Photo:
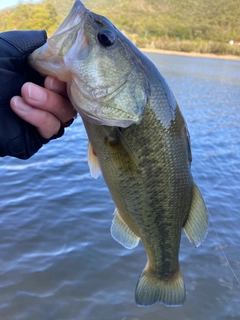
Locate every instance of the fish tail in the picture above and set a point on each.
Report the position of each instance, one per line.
(151, 289)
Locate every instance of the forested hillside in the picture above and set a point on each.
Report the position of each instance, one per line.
(189, 25)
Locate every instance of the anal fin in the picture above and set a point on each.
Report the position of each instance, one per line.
(122, 233)
(93, 162)
(197, 222)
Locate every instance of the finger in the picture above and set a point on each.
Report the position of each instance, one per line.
(47, 100)
(58, 86)
(45, 122)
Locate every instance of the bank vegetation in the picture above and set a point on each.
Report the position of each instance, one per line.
(201, 26)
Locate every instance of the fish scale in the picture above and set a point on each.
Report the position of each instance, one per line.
(156, 205)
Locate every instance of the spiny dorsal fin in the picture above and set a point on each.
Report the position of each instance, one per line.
(122, 233)
(197, 222)
(93, 162)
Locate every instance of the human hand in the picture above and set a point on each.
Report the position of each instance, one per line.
(19, 138)
(48, 109)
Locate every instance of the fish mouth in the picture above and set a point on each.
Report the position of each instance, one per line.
(61, 48)
(64, 37)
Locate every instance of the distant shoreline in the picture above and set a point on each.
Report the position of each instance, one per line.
(191, 54)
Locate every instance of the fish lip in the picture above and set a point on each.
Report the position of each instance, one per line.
(73, 23)
(60, 44)
(75, 16)
(55, 44)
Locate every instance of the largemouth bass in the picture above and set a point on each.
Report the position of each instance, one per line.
(138, 139)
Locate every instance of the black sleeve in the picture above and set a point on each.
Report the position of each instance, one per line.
(17, 137)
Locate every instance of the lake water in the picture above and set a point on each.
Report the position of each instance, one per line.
(58, 260)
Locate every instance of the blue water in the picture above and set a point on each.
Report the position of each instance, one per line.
(58, 260)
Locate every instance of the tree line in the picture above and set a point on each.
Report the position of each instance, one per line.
(189, 25)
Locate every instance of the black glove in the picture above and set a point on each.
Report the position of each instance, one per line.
(17, 137)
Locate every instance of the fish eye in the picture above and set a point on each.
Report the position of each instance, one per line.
(106, 37)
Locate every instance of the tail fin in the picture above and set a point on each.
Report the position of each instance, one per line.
(150, 289)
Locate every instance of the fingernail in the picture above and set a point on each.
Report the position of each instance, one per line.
(19, 104)
(36, 93)
(52, 83)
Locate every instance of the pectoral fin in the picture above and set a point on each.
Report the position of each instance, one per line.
(197, 222)
(122, 233)
(128, 149)
(121, 152)
(93, 162)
